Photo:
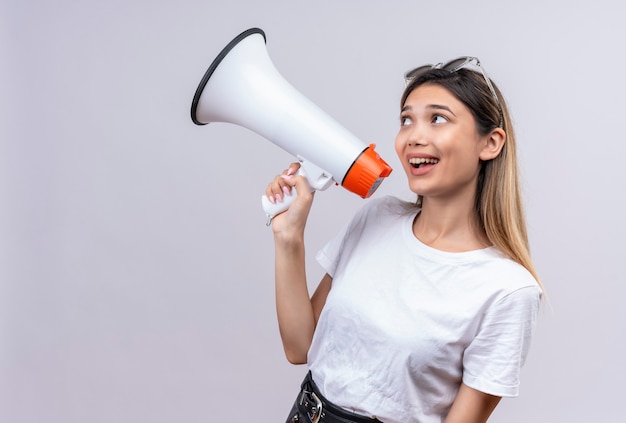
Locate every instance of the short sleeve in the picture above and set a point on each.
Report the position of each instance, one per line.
(492, 362)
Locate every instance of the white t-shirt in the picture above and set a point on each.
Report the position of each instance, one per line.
(404, 324)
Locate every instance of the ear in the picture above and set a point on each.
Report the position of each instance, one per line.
(494, 142)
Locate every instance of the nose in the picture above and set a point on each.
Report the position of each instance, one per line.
(416, 137)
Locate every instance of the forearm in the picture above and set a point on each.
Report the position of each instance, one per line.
(296, 320)
(471, 406)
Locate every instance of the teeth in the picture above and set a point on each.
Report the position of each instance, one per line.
(416, 161)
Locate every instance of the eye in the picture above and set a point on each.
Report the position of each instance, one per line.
(405, 120)
(439, 119)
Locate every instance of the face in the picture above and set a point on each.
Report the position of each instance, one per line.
(438, 144)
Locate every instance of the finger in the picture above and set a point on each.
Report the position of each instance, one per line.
(298, 182)
(272, 189)
(288, 180)
(277, 189)
(293, 168)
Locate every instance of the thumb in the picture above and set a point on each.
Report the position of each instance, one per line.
(298, 182)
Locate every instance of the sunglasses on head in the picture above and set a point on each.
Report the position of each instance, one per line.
(453, 66)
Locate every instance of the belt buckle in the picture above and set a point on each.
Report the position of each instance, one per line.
(316, 414)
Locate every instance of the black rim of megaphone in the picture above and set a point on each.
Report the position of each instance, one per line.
(214, 65)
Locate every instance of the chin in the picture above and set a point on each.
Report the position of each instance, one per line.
(417, 188)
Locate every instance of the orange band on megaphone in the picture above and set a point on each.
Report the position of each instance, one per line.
(366, 173)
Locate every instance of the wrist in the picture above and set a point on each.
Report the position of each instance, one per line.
(289, 239)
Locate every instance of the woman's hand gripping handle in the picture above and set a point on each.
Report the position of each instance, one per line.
(302, 177)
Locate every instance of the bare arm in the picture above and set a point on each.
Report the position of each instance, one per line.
(297, 312)
(471, 406)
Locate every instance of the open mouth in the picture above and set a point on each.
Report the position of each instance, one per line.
(418, 162)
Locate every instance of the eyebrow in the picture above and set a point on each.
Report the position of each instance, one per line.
(431, 107)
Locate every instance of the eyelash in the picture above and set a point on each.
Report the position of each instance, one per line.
(435, 116)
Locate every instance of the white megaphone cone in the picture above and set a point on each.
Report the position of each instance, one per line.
(243, 87)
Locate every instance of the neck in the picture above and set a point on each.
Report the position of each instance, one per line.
(449, 225)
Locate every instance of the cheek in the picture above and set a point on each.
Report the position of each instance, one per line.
(399, 145)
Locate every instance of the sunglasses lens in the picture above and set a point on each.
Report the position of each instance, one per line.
(455, 65)
(412, 74)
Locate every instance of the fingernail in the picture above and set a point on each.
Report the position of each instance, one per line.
(279, 198)
(286, 177)
(290, 171)
(286, 190)
(271, 198)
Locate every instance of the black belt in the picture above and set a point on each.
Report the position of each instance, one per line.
(312, 407)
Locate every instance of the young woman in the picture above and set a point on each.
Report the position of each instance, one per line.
(426, 309)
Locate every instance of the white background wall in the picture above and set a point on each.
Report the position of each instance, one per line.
(136, 276)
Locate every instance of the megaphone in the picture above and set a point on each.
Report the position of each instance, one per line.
(243, 87)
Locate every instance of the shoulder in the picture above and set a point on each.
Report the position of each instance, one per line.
(374, 219)
(377, 216)
(510, 279)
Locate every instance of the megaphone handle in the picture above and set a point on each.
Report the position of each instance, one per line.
(273, 209)
(317, 179)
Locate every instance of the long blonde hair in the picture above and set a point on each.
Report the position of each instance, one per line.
(498, 203)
